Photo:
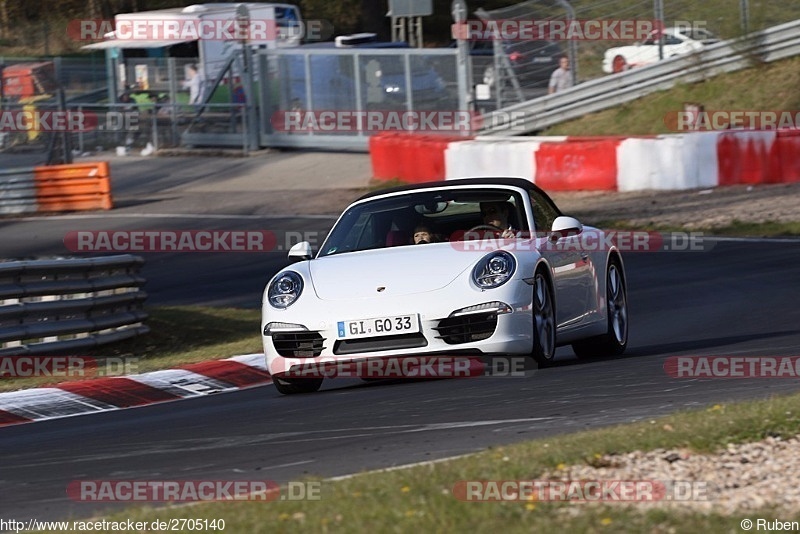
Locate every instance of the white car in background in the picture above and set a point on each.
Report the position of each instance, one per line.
(677, 41)
(370, 293)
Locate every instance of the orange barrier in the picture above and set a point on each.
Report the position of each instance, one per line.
(73, 187)
(577, 165)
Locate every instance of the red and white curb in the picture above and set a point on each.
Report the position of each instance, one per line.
(599, 163)
(114, 393)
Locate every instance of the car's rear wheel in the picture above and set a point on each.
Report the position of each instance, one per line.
(544, 320)
(619, 64)
(297, 385)
(615, 340)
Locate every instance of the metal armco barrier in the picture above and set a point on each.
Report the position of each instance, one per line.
(55, 188)
(17, 191)
(65, 304)
(772, 44)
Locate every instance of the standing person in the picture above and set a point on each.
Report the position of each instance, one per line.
(194, 82)
(561, 78)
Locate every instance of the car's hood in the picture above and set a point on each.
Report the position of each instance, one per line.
(400, 271)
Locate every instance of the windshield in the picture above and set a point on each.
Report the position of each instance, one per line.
(445, 215)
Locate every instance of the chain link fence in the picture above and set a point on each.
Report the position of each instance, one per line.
(517, 70)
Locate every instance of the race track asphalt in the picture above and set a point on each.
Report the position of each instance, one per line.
(738, 298)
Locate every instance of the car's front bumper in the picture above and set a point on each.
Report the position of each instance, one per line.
(316, 338)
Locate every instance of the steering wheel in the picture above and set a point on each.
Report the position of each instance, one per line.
(489, 227)
(482, 227)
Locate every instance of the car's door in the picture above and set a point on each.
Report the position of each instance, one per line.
(675, 46)
(570, 261)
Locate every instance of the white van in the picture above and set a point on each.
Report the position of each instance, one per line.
(203, 31)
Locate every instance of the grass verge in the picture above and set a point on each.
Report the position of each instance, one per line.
(420, 499)
(178, 336)
(769, 87)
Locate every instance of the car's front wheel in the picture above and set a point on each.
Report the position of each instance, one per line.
(544, 320)
(615, 340)
(297, 385)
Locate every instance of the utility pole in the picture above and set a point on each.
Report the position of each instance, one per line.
(744, 12)
(659, 16)
(458, 9)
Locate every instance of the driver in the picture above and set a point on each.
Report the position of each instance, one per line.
(496, 214)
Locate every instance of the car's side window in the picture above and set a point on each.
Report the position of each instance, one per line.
(544, 211)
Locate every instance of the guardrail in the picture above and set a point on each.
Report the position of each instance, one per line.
(64, 304)
(772, 44)
(17, 191)
(55, 188)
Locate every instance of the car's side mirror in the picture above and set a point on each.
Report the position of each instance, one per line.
(301, 251)
(564, 226)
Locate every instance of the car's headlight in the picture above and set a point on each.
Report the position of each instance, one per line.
(392, 89)
(285, 289)
(494, 270)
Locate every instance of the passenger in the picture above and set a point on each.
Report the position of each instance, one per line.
(423, 235)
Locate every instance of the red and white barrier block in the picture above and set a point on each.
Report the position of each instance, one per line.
(608, 163)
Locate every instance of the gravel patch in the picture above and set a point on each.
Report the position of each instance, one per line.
(742, 478)
(706, 208)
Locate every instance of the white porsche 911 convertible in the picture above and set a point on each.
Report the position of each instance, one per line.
(464, 267)
(677, 42)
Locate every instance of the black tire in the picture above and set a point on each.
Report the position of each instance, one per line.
(615, 340)
(297, 385)
(544, 320)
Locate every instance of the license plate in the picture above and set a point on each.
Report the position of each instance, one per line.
(379, 326)
(542, 60)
